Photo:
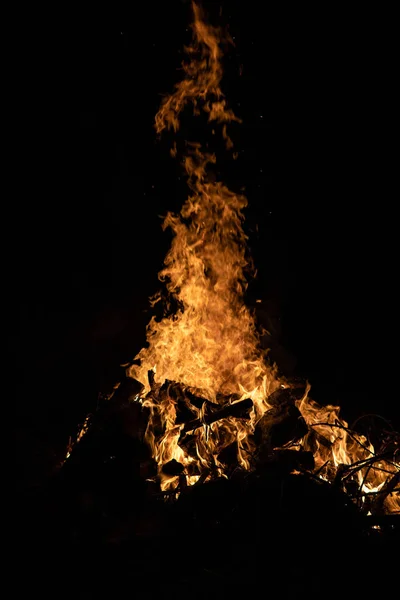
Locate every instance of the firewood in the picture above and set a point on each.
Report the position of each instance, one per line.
(183, 412)
(290, 460)
(182, 482)
(202, 478)
(280, 425)
(238, 410)
(126, 391)
(287, 395)
(192, 397)
(188, 443)
(173, 467)
(227, 399)
(198, 401)
(151, 377)
(228, 456)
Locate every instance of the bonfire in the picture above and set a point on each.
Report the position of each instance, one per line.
(207, 404)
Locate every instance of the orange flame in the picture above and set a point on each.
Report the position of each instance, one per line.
(201, 85)
(210, 344)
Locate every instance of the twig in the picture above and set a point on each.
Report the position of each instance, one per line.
(360, 464)
(341, 426)
(372, 415)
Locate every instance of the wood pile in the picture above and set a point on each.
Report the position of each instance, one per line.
(108, 518)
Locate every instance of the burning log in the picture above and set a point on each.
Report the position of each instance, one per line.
(192, 399)
(187, 403)
(291, 460)
(182, 482)
(228, 456)
(126, 391)
(280, 425)
(173, 467)
(152, 382)
(188, 443)
(287, 395)
(238, 410)
(183, 412)
(198, 401)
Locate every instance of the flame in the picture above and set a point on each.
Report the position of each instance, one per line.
(208, 347)
(201, 84)
(337, 450)
(209, 344)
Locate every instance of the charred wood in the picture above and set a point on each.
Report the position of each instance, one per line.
(182, 482)
(227, 399)
(280, 425)
(192, 398)
(228, 456)
(188, 443)
(173, 467)
(238, 410)
(290, 460)
(152, 381)
(126, 391)
(183, 412)
(287, 395)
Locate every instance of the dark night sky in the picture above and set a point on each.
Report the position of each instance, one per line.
(316, 154)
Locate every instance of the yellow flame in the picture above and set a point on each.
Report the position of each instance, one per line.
(210, 343)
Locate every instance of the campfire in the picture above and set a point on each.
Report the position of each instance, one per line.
(201, 402)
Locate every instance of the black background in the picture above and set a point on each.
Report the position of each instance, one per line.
(316, 155)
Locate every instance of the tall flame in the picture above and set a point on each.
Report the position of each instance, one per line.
(210, 343)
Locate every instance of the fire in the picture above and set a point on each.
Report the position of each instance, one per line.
(209, 345)
(340, 451)
(201, 84)
(207, 384)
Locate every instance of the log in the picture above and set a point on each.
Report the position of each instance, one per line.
(228, 456)
(173, 467)
(126, 391)
(280, 425)
(152, 382)
(198, 401)
(287, 395)
(182, 482)
(227, 399)
(119, 416)
(238, 410)
(289, 460)
(192, 398)
(188, 443)
(183, 412)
